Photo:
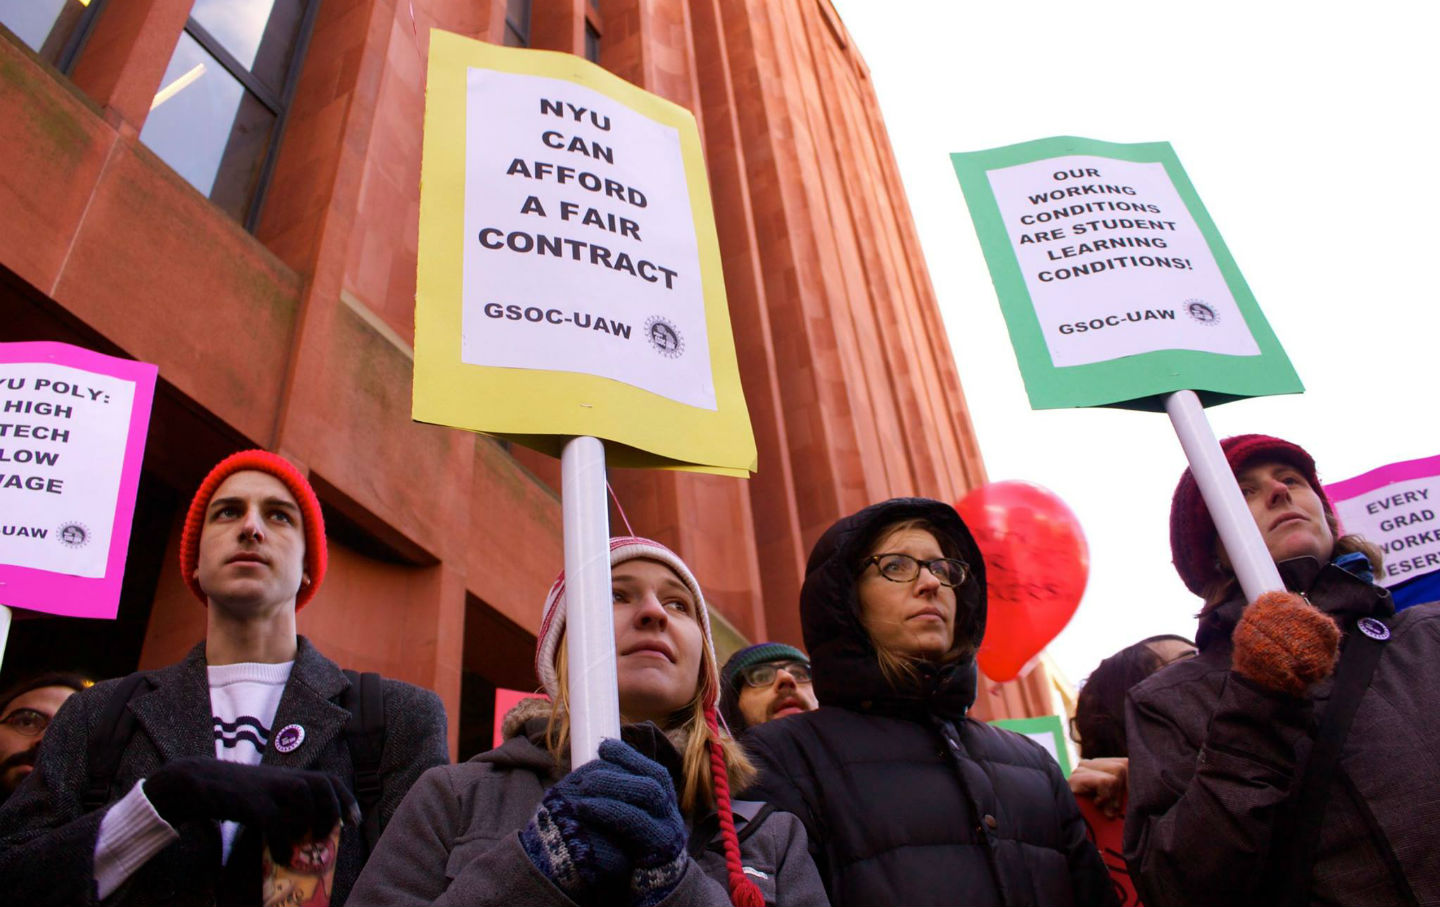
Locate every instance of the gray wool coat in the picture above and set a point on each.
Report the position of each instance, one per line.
(455, 841)
(1214, 758)
(47, 843)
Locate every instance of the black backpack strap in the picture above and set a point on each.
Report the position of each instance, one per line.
(365, 735)
(1363, 648)
(749, 816)
(755, 815)
(108, 739)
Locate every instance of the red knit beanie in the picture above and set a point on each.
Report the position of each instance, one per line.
(311, 519)
(1193, 537)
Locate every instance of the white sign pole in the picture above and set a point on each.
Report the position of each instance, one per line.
(4, 630)
(589, 617)
(1244, 545)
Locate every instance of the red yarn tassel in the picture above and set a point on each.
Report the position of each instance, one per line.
(743, 892)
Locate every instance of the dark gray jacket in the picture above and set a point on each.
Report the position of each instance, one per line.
(1213, 759)
(456, 841)
(904, 799)
(47, 843)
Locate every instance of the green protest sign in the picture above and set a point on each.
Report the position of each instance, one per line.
(1115, 285)
(1046, 730)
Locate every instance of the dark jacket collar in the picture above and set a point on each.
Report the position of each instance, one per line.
(307, 702)
(1332, 589)
(843, 660)
(177, 715)
(528, 750)
(176, 712)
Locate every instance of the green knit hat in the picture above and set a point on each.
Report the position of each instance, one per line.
(758, 654)
(730, 676)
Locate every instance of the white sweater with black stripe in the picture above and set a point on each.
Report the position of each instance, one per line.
(243, 701)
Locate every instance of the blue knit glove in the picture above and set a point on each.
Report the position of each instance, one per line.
(611, 825)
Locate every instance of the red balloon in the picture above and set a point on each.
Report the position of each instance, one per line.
(1036, 566)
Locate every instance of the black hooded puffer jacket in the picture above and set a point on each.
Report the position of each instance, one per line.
(906, 800)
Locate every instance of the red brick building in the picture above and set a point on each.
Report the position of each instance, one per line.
(230, 190)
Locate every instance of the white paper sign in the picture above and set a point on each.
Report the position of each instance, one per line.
(580, 252)
(1113, 261)
(63, 434)
(1403, 518)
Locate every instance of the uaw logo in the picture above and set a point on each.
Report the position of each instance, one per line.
(73, 535)
(290, 738)
(665, 337)
(1202, 312)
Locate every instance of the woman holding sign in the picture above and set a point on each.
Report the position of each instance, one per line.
(517, 826)
(1293, 760)
(905, 799)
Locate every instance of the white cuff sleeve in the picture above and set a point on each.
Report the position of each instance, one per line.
(130, 834)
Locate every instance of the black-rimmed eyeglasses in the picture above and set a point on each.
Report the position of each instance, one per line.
(902, 568)
(26, 722)
(762, 675)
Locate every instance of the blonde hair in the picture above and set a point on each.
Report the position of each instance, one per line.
(899, 669)
(699, 788)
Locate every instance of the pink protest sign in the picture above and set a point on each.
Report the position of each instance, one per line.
(72, 437)
(505, 700)
(1108, 836)
(1395, 507)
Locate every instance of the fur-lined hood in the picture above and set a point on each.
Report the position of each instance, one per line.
(523, 711)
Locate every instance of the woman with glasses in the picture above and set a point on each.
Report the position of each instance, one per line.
(905, 799)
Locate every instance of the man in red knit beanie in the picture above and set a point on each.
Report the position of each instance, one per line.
(165, 784)
(1233, 796)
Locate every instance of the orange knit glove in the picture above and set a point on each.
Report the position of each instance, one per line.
(1284, 644)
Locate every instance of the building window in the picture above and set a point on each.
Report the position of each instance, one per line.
(54, 29)
(592, 43)
(220, 110)
(517, 23)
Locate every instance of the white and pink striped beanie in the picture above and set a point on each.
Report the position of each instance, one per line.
(623, 548)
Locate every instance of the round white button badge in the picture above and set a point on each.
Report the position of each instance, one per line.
(289, 738)
(1373, 628)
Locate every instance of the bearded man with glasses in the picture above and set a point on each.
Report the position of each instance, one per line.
(25, 713)
(764, 682)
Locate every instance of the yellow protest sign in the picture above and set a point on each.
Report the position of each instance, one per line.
(569, 279)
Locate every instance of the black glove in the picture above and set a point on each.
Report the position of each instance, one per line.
(284, 804)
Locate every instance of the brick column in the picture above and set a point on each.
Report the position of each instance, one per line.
(124, 60)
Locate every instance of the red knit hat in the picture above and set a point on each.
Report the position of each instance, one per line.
(1193, 537)
(316, 556)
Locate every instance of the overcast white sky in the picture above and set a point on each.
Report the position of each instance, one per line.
(1310, 137)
